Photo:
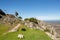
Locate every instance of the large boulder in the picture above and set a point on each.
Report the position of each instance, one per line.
(2, 13)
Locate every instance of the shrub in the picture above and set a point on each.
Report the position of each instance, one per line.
(52, 32)
(47, 30)
(26, 19)
(33, 20)
(23, 29)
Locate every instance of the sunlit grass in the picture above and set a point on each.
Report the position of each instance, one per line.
(29, 34)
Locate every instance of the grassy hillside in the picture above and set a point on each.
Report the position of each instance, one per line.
(29, 34)
(3, 28)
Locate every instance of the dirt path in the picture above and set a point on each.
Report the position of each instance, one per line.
(15, 28)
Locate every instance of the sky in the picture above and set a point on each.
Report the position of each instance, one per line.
(40, 9)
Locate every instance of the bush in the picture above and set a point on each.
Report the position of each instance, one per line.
(47, 30)
(0, 16)
(33, 20)
(23, 29)
(26, 19)
(52, 32)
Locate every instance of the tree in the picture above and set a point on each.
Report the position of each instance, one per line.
(26, 19)
(20, 17)
(16, 14)
(33, 20)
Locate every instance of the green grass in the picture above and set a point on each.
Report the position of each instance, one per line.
(29, 34)
(3, 28)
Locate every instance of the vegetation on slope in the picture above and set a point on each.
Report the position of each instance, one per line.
(29, 34)
(3, 29)
(34, 20)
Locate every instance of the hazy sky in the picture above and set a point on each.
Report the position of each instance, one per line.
(41, 9)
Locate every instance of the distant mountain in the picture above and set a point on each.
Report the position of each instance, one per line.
(53, 21)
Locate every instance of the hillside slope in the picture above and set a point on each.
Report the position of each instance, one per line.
(29, 34)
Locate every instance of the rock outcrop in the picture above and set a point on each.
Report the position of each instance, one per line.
(45, 27)
(8, 19)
